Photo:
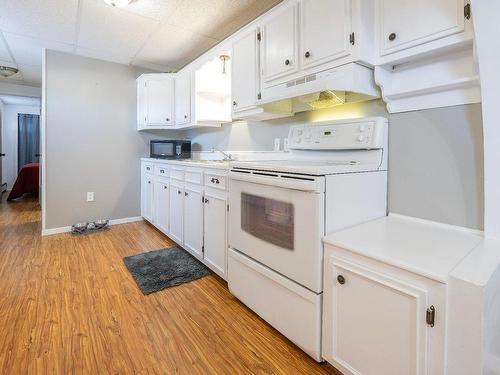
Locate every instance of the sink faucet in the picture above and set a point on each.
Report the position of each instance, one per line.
(226, 155)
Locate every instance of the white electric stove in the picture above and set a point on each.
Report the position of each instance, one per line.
(334, 176)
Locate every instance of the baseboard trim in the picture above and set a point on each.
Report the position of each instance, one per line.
(125, 220)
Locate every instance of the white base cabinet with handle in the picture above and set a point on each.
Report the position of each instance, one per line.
(189, 204)
(176, 231)
(381, 322)
(193, 219)
(161, 202)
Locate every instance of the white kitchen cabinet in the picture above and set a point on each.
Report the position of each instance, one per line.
(176, 231)
(245, 74)
(383, 315)
(147, 197)
(246, 82)
(215, 238)
(155, 101)
(280, 43)
(407, 23)
(183, 99)
(161, 204)
(325, 31)
(193, 219)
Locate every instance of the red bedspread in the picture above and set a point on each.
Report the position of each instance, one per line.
(26, 182)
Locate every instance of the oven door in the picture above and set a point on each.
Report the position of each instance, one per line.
(278, 221)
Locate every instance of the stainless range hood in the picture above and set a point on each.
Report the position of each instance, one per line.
(345, 84)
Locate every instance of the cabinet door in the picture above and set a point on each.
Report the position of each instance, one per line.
(215, 234)
(183, 99)
(245, 72)
(159, 100)
(161, 205)
(279, 44)
(147, 198)
(407, 23)
(176, 214)
(384, 317)
(193, 222)
(325, 29)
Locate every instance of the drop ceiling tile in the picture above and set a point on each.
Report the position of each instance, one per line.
(200, 16)
(113, 30)
(100, 55)
(45, 19)
(4, 53)
(32, 74)
(28, 51)
(240, 14)
(155, 9)
(174, 48)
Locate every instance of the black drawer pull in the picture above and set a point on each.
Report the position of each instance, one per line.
(341, 279)
(392, 36)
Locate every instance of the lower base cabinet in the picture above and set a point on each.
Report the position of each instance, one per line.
(215, 253)
(161, 205)
(176, 213)
(193, 220)
(190, 206)
(378, 321)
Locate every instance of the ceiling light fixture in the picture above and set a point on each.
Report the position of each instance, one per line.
(7, 71)
(118, 3)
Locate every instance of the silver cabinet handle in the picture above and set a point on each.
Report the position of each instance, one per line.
(165, 187)
(179, 192)
(206, 200)
(186, 193)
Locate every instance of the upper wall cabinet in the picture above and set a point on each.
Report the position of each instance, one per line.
(325, 26)
(408, 28)
(426, 56)
(280, 43)
(309, 36)
(155, 101)
(183, 99)
(246, 82)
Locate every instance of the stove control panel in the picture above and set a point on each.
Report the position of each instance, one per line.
(356, 134)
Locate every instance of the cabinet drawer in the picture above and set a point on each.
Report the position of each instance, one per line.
(148, 168)
(177, 173)
(161, 170)
(193, 176)
(215, 181)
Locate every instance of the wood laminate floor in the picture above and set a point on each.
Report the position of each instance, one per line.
(69, 306)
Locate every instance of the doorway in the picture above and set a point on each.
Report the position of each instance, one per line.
(28, 139)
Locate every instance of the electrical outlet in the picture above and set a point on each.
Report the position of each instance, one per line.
(277, 144)
(90, 196)
(286, 144)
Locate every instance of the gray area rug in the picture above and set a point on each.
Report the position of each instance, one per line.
(160, 269)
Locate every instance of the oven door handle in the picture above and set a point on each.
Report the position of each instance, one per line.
(314, 185)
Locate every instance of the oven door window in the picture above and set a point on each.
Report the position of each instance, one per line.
(268, 219)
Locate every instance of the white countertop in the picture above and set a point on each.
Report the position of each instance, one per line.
(426, 248)
(218, 164)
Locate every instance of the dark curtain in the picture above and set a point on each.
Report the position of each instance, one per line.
(28, 134)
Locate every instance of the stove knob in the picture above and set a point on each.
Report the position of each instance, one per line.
(361, 138)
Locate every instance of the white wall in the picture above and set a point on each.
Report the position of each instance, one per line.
(9, 139)
(92, 142)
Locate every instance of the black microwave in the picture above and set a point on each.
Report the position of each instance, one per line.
(171, 149)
